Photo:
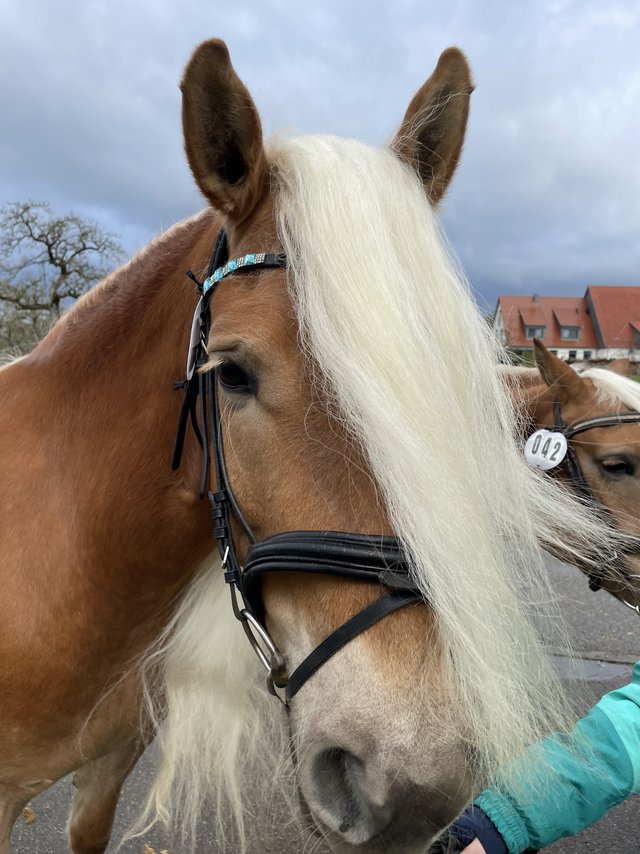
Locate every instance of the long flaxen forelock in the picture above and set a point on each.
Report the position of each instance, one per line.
(388, 321)
(396, 341)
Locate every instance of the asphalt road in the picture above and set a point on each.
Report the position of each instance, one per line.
(605, 633)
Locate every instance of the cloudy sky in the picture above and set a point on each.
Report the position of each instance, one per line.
(547, 198)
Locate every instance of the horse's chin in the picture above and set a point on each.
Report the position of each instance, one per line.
(393, 840)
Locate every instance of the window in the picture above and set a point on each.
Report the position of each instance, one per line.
(588, 354)
(570, 333)
(553, 352)
(535, 332)
(572, 354)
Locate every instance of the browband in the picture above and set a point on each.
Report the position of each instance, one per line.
(613, 420)
(253, 259)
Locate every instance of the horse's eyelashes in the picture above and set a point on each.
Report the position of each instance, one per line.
(235, 378)
(618, 465)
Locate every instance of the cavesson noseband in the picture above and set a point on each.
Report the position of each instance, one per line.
(375, 558)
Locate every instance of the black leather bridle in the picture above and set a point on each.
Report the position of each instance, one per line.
(579, 483)
(375, 558)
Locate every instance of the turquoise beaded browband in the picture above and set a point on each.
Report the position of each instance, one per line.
(253, 259)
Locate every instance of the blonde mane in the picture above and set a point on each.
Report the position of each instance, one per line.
(613, 388)
(388, 322)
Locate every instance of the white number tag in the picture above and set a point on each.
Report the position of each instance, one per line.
(545, 449)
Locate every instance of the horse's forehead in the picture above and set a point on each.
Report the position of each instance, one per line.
(585, 404)
(257, 310)
(592, 404)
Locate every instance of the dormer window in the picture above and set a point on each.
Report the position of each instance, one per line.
(569, 333)
(535, 332)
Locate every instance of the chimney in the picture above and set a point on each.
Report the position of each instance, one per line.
(535, 298)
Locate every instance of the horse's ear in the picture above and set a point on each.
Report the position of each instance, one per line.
(432, 131)
(222, 132)
(561, 379)
(621, 367)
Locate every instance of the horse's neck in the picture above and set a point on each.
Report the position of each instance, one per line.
(100, 411)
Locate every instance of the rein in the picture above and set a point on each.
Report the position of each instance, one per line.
(579, 484)
(374, 558)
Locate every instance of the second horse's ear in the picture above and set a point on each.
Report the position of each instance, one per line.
(561, 379)
(222, 132)
(432, 132)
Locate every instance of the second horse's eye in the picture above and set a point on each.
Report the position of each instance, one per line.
(618, 466)
(234, 378)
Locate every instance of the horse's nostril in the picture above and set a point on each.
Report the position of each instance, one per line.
(368, 800)
(340, 798)
(335, 772)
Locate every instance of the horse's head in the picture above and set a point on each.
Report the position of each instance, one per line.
(356, 393)
(371, 754)
(607, 451)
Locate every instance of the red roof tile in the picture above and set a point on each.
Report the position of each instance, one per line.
(614, 308)
(567, 316)
(551, 309)
(532, 316)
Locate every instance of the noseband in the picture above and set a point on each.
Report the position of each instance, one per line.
(373, 558)
(579, 484)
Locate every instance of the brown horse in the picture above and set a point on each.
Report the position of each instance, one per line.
(603, 463)
(327, 425)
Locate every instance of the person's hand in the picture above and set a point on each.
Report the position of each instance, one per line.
(477, 832)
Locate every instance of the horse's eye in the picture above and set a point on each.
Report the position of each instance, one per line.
(618, 465)
(234, 378)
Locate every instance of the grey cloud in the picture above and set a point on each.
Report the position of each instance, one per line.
(548, 194)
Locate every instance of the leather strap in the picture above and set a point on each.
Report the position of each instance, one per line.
(613, 420)
(356, 625)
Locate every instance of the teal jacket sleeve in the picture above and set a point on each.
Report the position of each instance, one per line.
(594, 767)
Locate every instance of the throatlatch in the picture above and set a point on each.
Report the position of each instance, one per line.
(374, 558)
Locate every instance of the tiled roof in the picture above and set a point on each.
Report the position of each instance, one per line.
(566, 316)
(549, 309)
(532, 316)
(614, 308)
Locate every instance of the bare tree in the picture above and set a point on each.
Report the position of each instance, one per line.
(46, 262)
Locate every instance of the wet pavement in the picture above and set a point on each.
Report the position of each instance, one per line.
(606, 635)
(603, 631)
